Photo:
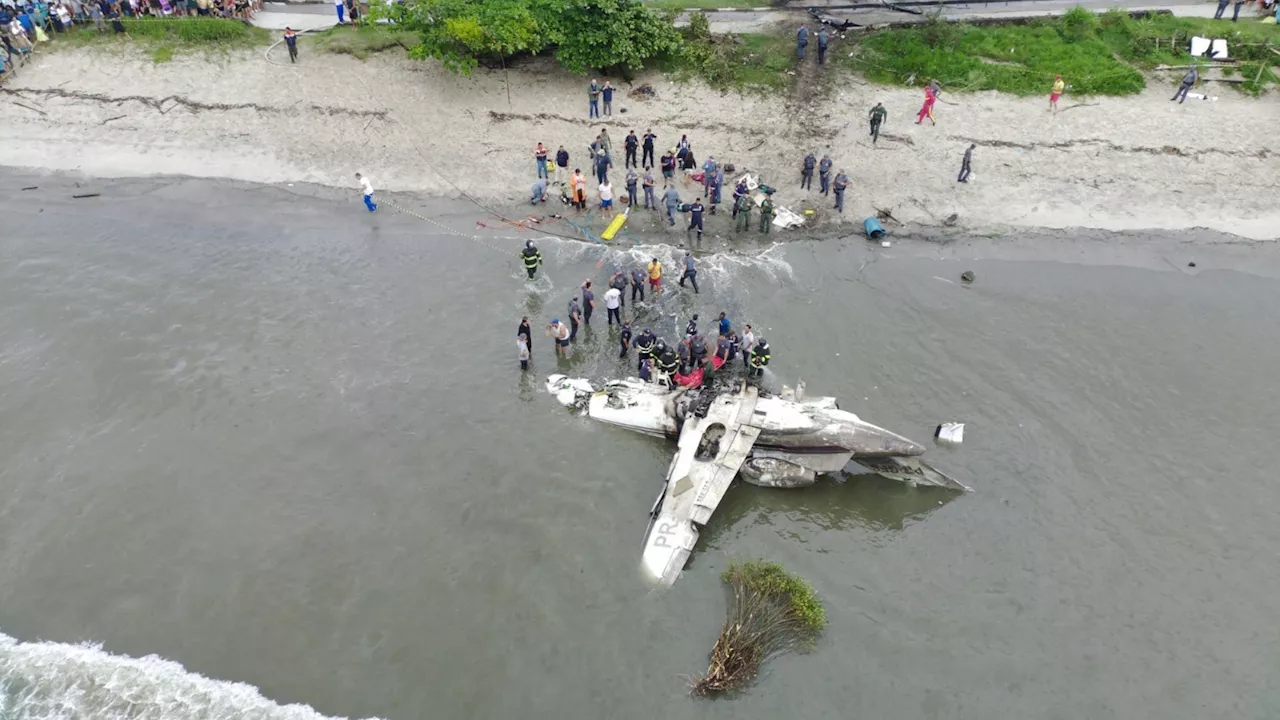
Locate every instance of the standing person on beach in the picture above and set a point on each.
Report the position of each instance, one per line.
(1188, 82)
(629, 144)
(632, 180)
(291, 42)
(602, 165)
(766, 214)
(824, 174)
(806, 172)
(742, 213)
(593, 100)
(1058, 87)
(964, 164)
(540, 160)
(579, 189)
(926, 110)
(695, 221)
(877, 117)
(668, 161)
(671, 198)
(606, 143)
(340, 7)
(562, 165)
(823, 38)
(606, 198)
(841, 182)
(802, 39)
(650, 200)
(646, 157)
(367, 189)
(522, 351)
(607, 93)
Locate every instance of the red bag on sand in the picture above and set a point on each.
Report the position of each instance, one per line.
(698, 176)
(717, 362)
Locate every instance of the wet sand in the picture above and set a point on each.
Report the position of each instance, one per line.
(1128, 163)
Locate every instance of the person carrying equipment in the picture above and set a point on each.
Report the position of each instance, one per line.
(759, 358)
(532, 257)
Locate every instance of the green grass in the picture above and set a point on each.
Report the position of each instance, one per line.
(748, 62)
(163, 38)
(162, 54)
(707, 4)
(1096, 55)
(363, 41)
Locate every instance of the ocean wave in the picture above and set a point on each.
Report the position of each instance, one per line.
(49, 680)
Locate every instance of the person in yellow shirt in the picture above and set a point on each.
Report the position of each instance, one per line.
(1058, 87)
(655, 276)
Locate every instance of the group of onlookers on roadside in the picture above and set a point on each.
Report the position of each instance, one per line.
(23, 24)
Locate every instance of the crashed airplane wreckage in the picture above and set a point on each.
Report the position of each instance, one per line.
(723, 429)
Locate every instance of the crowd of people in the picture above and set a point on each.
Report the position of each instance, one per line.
(688, 362)
(24, 24)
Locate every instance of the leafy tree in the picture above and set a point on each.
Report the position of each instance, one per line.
(461, 32)
(584, 34)
(607, 33)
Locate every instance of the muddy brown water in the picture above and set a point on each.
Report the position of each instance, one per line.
(262, 434)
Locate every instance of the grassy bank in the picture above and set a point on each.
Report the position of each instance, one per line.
(1097, 55)
(162, 38)
(363, 41)
(750, 61)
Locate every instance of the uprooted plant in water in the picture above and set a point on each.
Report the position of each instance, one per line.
(771, 612)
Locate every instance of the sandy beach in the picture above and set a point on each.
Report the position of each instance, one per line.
(1132, 163)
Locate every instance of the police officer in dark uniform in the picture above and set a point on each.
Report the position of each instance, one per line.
(625, 338)
(637, 284)
(759, 357)
(532, 258)
(644, 345)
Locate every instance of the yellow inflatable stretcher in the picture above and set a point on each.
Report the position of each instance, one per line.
(615, 226)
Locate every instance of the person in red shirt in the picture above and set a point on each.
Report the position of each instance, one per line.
(927, 109)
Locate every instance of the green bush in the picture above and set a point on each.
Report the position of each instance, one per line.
(699, 26)
(208, 31)
(1078, 24)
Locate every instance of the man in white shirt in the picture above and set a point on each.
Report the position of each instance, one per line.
(367, 187)
(748, 341)
(606, 198)
(613, 303)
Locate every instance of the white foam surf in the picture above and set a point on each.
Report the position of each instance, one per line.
(58, 681)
